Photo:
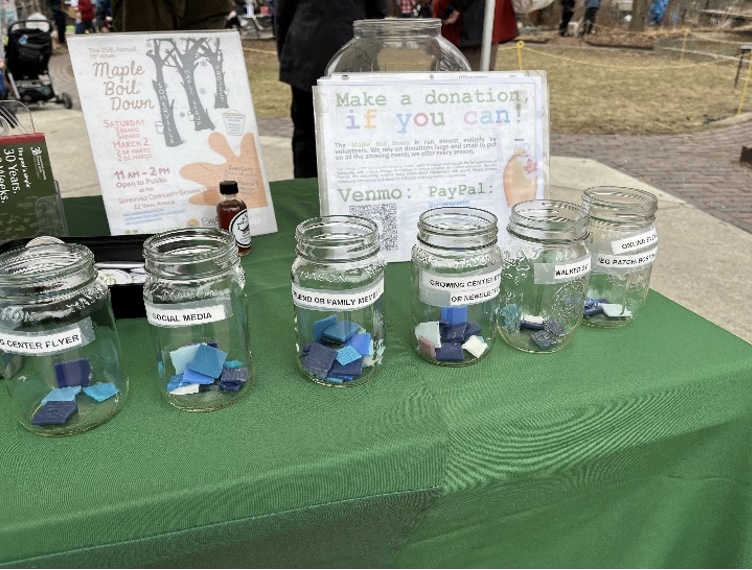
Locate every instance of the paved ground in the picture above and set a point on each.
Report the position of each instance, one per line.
(702, 169)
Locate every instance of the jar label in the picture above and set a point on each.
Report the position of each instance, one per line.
(552, 273)
(187, 314)
(349, 300)
(45, 343)
(634, 242)
(240, 229)
(624, 263)
(448, 291)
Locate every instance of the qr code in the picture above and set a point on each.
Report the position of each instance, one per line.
(385, 216)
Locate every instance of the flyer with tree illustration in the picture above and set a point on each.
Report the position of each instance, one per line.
(169, 116)
(393, 145)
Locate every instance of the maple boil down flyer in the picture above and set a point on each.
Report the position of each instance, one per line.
(169, 117)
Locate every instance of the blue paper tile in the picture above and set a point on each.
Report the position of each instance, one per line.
(544, 339)
(73, 372)
(67, 394)
(193, 377)
(453, 333)
(362, 343)
(321, 325)
(341, 331)
(553, 327)
(54, 413)
(208, 361)
(354, 368)
(230, 386)
(453, 315)
(473, 329)
(101, 391)
(347, 354)
(180, 357)
(234, 375)
(233, 364)
(175, 382)
(319, 360)
(450, 352)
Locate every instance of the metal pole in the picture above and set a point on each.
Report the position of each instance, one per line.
(488, 20)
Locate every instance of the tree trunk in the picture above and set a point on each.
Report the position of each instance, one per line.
(639, 12)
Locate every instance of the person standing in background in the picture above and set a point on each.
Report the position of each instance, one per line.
(407, 8)
(567, 10)
(60, 19)
(309, 33)
(156, 15)
(424, 9)
(87, 15)
(462, 24)
(591, 11)
(103, 15)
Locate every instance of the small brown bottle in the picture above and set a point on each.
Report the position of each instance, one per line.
(232, 215)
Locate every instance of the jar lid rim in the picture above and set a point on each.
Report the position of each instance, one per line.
(79, 258)
(224, 244)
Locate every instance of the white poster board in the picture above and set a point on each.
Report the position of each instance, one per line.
(391, 146)
(169, 116)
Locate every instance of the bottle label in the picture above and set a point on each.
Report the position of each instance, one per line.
(187, 314)
(240, 229)
(634, 242)
(446, 291)
(605, 263)
(49, 342)
(350, 300)
(553, 273)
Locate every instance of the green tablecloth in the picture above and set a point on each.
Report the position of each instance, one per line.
(630, 448)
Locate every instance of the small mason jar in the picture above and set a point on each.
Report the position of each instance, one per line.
(390, 45)
(337, 291)
(58, 341)
(196, 304)
(545, 276)
(624, 244)
(456, 273)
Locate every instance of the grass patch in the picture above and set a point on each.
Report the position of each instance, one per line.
(592, 91)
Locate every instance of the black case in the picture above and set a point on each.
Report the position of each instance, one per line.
(127, 300)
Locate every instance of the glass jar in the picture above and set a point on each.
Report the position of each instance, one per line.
(545, 276)
(624, 244)
(337, 290)
(196, 304)
(389, 45)
(456, 275)
(58, 341)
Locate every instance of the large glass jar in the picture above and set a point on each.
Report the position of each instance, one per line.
(455, 285)
(624, 244)
(337, 290)
(58, 342)
(411, 44)
(196, 304)
(545, 275)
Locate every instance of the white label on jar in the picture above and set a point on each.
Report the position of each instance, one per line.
(47, 342)
(349, 300)
(551, 273)
(186, 314)
(240, 229)
(445, 291)
(634, 242)
(625, 261)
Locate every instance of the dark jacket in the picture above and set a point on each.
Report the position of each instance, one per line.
(309, 33)
(467, 31)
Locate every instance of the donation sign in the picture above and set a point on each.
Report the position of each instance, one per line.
(169, 116)
(392, 146)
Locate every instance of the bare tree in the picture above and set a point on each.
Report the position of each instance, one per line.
(185, 62)
(166, 105)
(215, 57)
(639, 13)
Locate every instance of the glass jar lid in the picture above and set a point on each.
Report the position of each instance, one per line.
(457, 228)
(552, 221)
(397, 27)
(337, 238)
(190, 253)
(617, 205)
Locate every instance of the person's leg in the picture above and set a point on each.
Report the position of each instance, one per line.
(304, 134)
(566, 17)
(60, 23)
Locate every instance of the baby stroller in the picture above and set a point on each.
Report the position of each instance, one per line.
(26, 57)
